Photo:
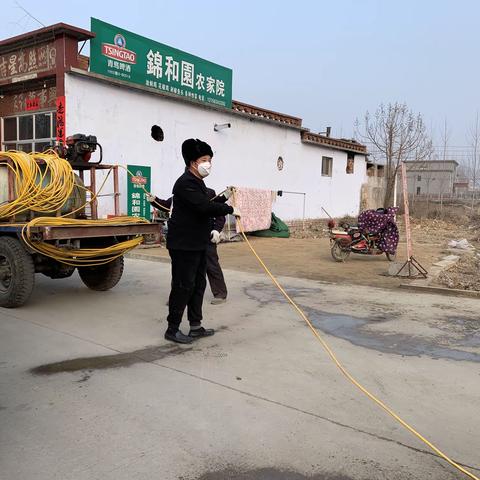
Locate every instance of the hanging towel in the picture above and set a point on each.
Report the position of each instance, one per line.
(255, 206)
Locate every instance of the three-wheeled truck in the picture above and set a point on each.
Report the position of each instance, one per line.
(19, 262)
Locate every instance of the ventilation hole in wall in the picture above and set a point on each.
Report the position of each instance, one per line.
(157, 133)
(280, 163)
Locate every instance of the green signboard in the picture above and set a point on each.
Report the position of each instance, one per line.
(137, 204)
(120, 54)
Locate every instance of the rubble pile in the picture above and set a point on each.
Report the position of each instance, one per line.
(464, 275)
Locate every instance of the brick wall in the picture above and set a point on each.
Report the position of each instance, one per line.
(311, 223)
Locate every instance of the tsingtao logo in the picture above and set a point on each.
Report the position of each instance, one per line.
(138, 178)
(119, 40)
(118, 51)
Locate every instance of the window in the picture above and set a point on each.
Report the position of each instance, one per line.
(418, 190)
(29, 133)
(419, 178)
(43, 127)
(25, 127)
(327, 166)
(350, 162)
(10, 129)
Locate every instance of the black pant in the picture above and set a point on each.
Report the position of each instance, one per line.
(214, 273)
(188, 286)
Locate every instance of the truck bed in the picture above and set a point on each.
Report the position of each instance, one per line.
(65, 232)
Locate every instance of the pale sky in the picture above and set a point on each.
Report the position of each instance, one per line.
(324, 61)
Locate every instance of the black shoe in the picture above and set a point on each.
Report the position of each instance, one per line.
(178, 337)
(201, 332)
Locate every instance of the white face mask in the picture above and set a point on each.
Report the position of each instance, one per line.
(204, 169)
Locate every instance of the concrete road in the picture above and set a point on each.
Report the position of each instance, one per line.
(90, 390)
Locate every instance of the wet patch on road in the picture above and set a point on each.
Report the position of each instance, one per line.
(267, 474)
(355, 329)
(87, 365)
(105, 362)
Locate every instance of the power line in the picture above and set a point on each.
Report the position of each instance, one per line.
(29, 14)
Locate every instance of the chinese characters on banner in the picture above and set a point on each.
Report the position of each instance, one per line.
(32, 104)
(29, 100)
(195, 86)
(126, 56)
(137, 204)
(26, 63)
(61, 115)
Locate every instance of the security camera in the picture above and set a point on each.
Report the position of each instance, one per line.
(218, 127)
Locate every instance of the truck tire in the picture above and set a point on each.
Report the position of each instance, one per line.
(17, 273)
(102, 277)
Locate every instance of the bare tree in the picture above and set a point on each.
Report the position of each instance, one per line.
(397, 134)
(445, 183)
(445, 137)
(474, 137)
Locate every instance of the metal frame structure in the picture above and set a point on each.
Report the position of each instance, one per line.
(92, 188)
(66, 232)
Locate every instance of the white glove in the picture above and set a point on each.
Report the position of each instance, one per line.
(228, 192)
(150, 198)
(236, 212)
(215, 236)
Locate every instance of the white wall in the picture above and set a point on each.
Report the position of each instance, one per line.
(244, 155)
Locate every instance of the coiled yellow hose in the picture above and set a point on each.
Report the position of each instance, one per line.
(38, 189)
(46, 190)
(81, 257)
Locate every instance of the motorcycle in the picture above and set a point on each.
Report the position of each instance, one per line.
(352, 239)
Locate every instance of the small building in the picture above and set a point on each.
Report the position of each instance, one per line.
(461, 188)
(142, 99)
(431, 177)
(373, 190)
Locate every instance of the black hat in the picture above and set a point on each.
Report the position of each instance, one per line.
(193, 149)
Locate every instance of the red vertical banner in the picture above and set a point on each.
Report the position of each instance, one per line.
(61, 117)
(408, 232)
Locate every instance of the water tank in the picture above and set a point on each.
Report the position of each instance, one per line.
(77, 198)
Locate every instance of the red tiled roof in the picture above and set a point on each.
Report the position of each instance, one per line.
(338, 143)
(267, 114)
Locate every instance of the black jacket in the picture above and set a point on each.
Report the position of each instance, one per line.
(216, 223)
(190, 225)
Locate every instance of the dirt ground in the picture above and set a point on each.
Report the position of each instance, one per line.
(465, 275)
(311, 259)
(307, 254)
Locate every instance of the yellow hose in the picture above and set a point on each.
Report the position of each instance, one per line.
(46, 191)
(343, 370)
(37, 190)
(81, 257)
